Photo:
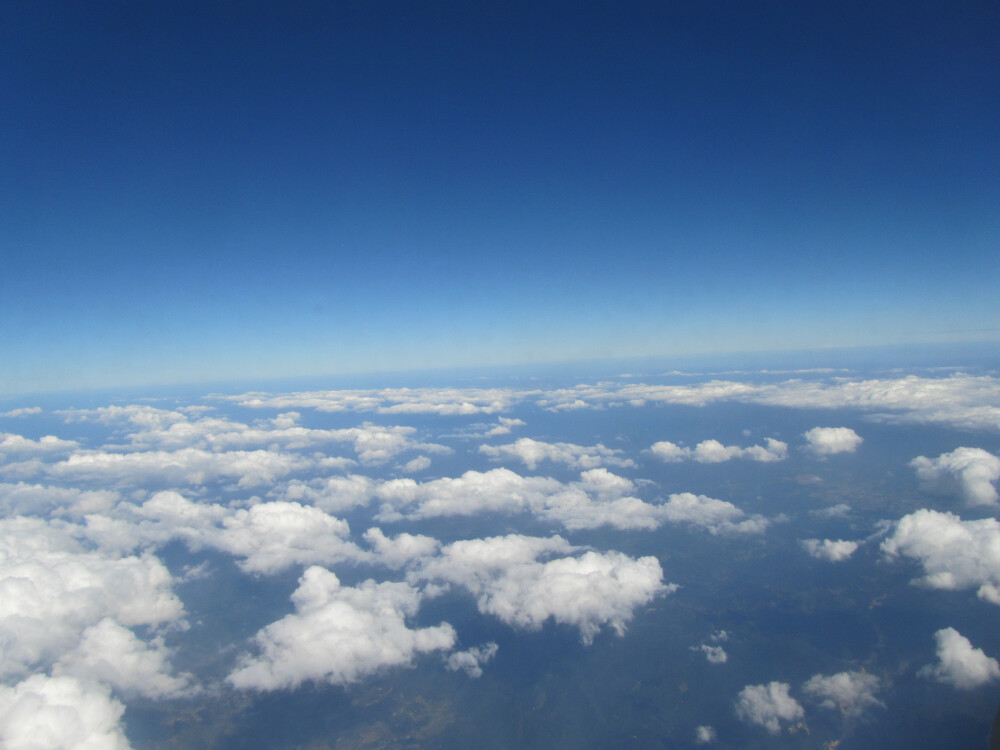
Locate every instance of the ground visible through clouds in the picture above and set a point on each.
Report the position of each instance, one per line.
(704, 558)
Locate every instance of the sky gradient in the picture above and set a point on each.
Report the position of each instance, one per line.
(200, 191)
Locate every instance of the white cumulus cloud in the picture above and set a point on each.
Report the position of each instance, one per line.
(827, 441)
(516, 579)
(852, 693)
(471, 660)
(714, 452)
(339, 634)
(715, 516)
(969, 472)
(58, 713)
(833, 550)
(955, 554)
(959, 664)
(768, 705)
(532, 452)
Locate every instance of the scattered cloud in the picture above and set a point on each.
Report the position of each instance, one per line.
(829, 549)
(516, 579)
(968, 472)
(827, 441)
(715, 516)
(599, 498)
(714, 654)
(339, 634)
(705, 735)
(532, 452)
(25, 411)
(955, 554)
(713, 452)
(471, 661)
(768, 705)
(852, 693)
(959, 664)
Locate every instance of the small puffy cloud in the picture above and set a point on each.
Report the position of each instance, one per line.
(670, 452)
(24, 411)
(827, 441)
(705, 735)
(420, 463)
(969, 472)
(471, 660)
(832, 550)
(43, 500)
(955, 554)
(512, 582)
(852, 693)
(768, 705)
(959, 664)
(599, 498)
(16, 445)
(54, 713)
(112, 654)
(532, 452)
(715, 516)
(188, 466)
(503, 426)
(332, 494)
(339, 635)
(401, 549)
(714, 654)
(713, 452)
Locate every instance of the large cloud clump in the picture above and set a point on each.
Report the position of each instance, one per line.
(969, 472)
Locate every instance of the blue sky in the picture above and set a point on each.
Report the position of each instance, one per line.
(201, 191)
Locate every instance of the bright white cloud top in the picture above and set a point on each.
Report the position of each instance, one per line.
(968, 472)
(827, 441)
(768, 706)
(959, 664)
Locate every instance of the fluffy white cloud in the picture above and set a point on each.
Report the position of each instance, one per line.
(713, 452)
(332, 494)
(11, 444)
(959, 400)
(705, 735)
(715, 516)
(768, 705)
(959, 664)
(955, 554)
(503, 426)
(970, 472)
(43, 500)
(511, 582)
(532, 452)
(188, 466)
(833, 550)
(447, 401)
(420, 463)
(24, 411)
(853, 693)
(471, 660)
(401, 549)
(339, 635)
(827, 441)
(268, 537)
(57, 713)
(598, 499)
(714, 654)
(112, 654)
(52, 589)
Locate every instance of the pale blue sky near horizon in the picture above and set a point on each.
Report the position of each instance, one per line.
(209, 191)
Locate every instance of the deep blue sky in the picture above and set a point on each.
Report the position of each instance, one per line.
(201, 190)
